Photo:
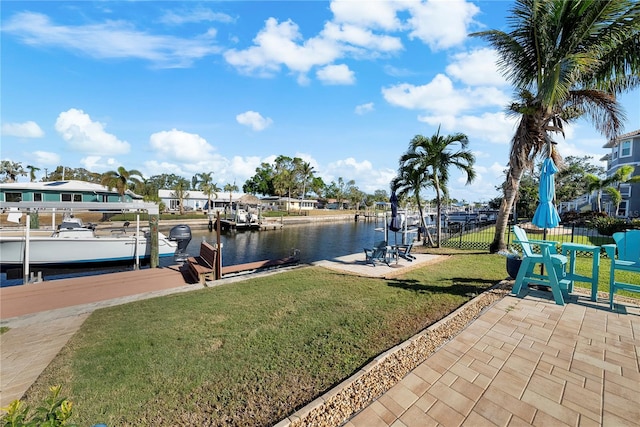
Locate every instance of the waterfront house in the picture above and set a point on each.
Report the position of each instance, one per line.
(70, 191)
(198, 200)
(276, 203)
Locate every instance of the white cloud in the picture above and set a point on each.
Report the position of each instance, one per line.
(476, 68)
(441, 24)
(85, 135)
(441, 97)
(497, 128)
(276, 44)
(198, 14)
(46, 158)
(359, 37)
(254, 120)
(28, 129)
(376, 14)
(181, 146)
(111, 39)
(367, 178)
(336, 75)
(364, 108)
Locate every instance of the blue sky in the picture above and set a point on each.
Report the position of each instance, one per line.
(189, 87)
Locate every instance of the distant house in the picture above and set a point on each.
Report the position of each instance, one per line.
(625, 150)
(62, 191)
(197, 200)
(287, 204)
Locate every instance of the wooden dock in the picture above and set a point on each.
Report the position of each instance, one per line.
(49, 295)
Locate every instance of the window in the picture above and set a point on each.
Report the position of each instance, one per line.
(69, 197)
(622, 209)
(625, 148)
(625, 191)
(13, 197)
(37, 197)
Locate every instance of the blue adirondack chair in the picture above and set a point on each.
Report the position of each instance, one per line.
(628, 246)
(404, 251)
(379, 253)
(554, 266)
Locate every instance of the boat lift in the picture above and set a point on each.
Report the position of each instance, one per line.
(114, 207)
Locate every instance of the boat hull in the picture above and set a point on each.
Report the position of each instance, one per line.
(92, 250)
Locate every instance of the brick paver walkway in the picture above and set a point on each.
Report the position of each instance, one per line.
(525, 362)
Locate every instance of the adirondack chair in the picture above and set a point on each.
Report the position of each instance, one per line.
(628, 246)
(379, 253)
(404, 251)
(554, 266)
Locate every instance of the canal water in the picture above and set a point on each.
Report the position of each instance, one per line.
(315, 241)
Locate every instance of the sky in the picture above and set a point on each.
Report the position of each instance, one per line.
(198, 86)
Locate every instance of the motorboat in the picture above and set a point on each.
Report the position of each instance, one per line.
(76, 243)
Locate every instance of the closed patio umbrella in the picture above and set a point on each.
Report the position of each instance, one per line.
(396, 221)
(546, 215)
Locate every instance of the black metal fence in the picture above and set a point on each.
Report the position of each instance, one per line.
(478, 236)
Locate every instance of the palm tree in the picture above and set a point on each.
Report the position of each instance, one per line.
(180, 192)
(120, 179)
(622, 175)
(566, 59)
(412, 179)
(207, 186)
(230, 188)
(306, 174)
(32, 172)
(433, 157)
(595, 183)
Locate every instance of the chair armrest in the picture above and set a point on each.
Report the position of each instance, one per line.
(611, 251)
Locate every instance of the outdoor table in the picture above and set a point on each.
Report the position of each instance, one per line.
(569, 250)
(392, 253)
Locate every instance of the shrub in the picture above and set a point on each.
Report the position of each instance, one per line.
(607, 226)
(55, 412)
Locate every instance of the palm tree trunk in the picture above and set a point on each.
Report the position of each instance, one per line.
(512, 185)
(427, 233)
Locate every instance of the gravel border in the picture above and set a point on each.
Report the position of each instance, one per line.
(339, 404)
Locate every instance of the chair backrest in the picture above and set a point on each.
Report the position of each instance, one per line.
(628, 244)
(521, 235)
(382, 244)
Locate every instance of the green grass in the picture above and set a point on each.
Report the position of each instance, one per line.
(250, 353)
(4, 329)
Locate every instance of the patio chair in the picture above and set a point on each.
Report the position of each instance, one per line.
(379, 253)
(404, 251)
(554, 266)
(628, 246)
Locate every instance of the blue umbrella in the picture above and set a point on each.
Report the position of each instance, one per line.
(546, 215)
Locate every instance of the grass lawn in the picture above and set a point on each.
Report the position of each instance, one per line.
(250, 353)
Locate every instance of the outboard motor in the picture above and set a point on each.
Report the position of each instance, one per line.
(182, 235)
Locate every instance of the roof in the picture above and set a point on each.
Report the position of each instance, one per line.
(613, 142)
(69, 185)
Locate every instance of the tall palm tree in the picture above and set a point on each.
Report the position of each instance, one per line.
(433, 156)
(412, 179)
(207, 186)
(32, 172)
(566, 59)
(622, 175)
(597, 184)
(230, 188)
(180, 192)
(120, 179)
(306, 174)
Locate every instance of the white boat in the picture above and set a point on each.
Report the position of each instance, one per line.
(74, 243)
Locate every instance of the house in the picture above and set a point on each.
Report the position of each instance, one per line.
(198, 200)
(625, 150)
(63, 191)
(276, 203)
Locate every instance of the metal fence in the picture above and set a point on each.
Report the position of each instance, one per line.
(478, 236)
